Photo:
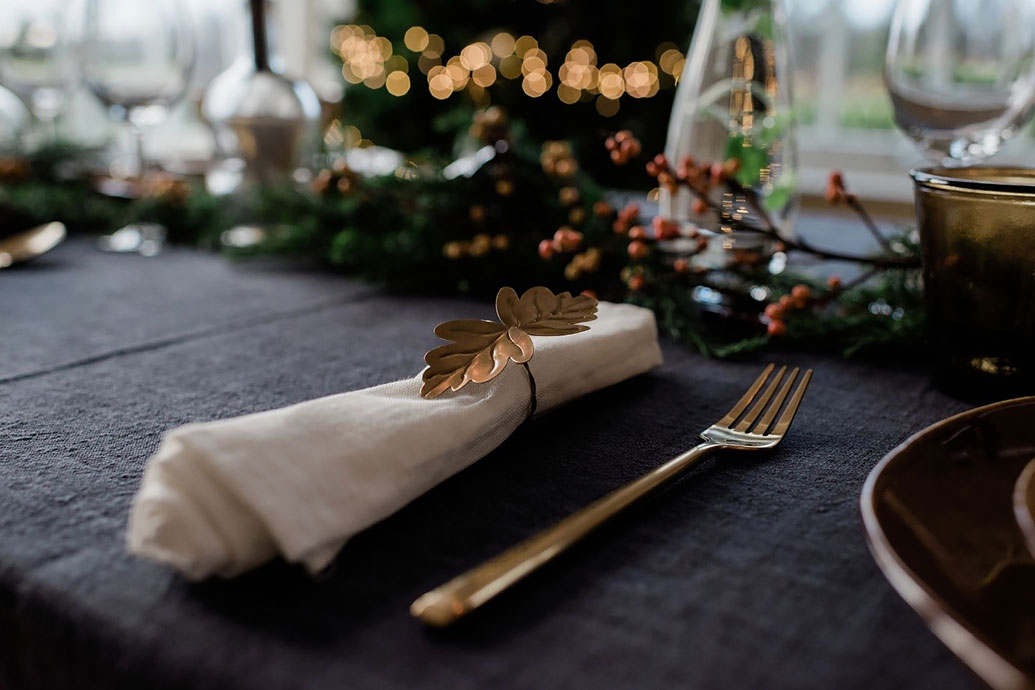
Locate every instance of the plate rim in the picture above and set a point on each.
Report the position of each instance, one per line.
(988, 664)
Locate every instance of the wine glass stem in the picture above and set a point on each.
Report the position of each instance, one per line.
(137, 136)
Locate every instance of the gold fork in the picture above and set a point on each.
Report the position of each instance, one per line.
(464, 593)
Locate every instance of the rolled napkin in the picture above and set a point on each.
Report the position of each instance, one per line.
(222, 497)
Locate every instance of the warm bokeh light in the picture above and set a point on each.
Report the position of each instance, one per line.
(641, 79)
(439, 83)
(537, 83)
(370, 60)
(397, 63)
(606, 106)
(475, 55)
(503, 44)
(484, 76)
(510, 67)
(532, 65)
(397, 83)
(458, 74)
(568, 94)
(525, 44)
(612, 84)
(669, 59)
(436, 46)
(363, 55)
(416, 38)
(425, 63)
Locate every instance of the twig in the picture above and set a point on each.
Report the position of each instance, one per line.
(860, 210)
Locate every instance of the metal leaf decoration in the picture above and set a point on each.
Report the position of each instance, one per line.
(479, 350)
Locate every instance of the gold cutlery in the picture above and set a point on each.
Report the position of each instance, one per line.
(738, 430)
(30, 244)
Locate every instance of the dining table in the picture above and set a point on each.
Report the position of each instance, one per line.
(751, 572)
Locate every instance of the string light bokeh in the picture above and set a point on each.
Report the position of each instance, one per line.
(372, 60)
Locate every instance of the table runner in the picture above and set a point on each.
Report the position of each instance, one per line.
(749, 573)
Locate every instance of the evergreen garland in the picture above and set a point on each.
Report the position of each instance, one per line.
(527, 216)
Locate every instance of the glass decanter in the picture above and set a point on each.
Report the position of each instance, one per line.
(734, 102)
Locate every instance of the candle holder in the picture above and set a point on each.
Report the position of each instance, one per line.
(977, 235)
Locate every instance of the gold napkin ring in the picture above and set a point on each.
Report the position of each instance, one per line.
(480, 350)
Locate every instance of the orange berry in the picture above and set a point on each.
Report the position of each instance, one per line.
(638, 232)
(834, 283)
(776, 328)
(786, 302)
(718, 173)
(636, 283)
(611, 143)
(681, 265)
(637, 249)
(546, 249)
(567, 238)
(774, 311)
(801, 292)
(664, 228)
(589, 293)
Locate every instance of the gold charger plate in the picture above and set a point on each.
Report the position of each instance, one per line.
(939, 518)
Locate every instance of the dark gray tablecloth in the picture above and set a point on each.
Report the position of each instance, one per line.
(753, 572)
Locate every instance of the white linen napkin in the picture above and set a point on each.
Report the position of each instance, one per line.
(222, 497)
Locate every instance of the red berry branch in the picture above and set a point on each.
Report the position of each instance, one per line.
(702, 177)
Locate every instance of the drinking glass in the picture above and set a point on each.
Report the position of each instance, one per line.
(137, 59)
(978, 247)
(961, 74)
(36, 55)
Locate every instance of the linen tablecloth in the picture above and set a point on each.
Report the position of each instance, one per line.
(752, 572)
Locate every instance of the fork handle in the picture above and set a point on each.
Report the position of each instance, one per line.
(466, 592)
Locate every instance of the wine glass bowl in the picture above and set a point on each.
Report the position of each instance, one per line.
(36, 54)
(961, 75)
(137, 58)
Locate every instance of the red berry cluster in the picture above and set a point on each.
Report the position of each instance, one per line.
(626, 217)
(777, 312)
(623, 146)
(699, 176)
(835, 191)
(564, 240)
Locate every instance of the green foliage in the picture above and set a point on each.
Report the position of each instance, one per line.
(752, 159)
(398, 231)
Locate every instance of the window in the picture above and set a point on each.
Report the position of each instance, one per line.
(845, 115)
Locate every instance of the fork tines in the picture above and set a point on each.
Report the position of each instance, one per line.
(761, 405)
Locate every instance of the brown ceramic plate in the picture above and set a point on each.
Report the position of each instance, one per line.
(1024, 504)
(940, 522)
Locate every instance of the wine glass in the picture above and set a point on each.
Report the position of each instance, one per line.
(137, 58)
(961, 74)
(36, 55)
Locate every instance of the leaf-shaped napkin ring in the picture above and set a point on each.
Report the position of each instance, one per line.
(481, 349)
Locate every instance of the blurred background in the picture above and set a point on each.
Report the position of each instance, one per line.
(384, 74)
